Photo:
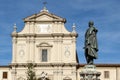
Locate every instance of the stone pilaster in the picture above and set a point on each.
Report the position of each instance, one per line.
(13, 73)
(55, 27)
(74, 48)
(60, 48)
(60, 27)
(74, 73)
(56, 49)
(28, 48)
(55, 73)
(14, 49)
(28, 27)
(60, 72)
(32, 49)
(32, 27)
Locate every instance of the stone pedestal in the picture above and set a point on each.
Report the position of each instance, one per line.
(89, 73)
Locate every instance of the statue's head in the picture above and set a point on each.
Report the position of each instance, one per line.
(91, 23)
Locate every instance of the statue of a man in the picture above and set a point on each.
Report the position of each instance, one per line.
(91, 46)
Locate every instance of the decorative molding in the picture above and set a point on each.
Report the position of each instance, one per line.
(59, 64)
(74, 34)
(67, 51)
(53, 16)
(14, 34)
(46, 35)
(43, 64)
(58, 34)
(44, 44)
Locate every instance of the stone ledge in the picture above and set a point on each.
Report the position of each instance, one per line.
(43, 64)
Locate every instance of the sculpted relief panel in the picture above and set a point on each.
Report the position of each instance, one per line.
(21, 49)
(44, 28)
(44, 18)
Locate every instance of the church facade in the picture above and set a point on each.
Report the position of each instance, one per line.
(47, 44)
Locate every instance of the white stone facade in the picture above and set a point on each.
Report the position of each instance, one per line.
(45, 42)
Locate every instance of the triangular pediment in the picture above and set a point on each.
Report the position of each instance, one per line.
(44, 16)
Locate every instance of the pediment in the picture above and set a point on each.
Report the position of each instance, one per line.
(44, 44)
(44, 16)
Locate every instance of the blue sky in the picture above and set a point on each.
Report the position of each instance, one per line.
(104, 13)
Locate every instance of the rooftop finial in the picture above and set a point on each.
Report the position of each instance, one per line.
(74, 28)
(44, 4)
(44, 8)
(15, 28)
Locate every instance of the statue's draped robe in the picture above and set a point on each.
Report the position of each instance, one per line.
(91, 46)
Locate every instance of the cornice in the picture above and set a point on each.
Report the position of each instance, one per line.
(14, 35)
(58, 34)
(5, 66)
(74, 34)
(34, 16)
(46, 35)
(101, 65)
(43, 64)
(54, 20)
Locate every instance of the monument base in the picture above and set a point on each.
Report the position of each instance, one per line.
(89, 73)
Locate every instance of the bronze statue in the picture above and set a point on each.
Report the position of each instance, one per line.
(91, 46)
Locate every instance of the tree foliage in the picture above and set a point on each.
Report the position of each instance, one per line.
(30, 72)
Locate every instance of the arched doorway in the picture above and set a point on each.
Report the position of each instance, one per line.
(67, 78)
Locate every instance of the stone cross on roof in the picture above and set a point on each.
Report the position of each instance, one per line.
(44, 8)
